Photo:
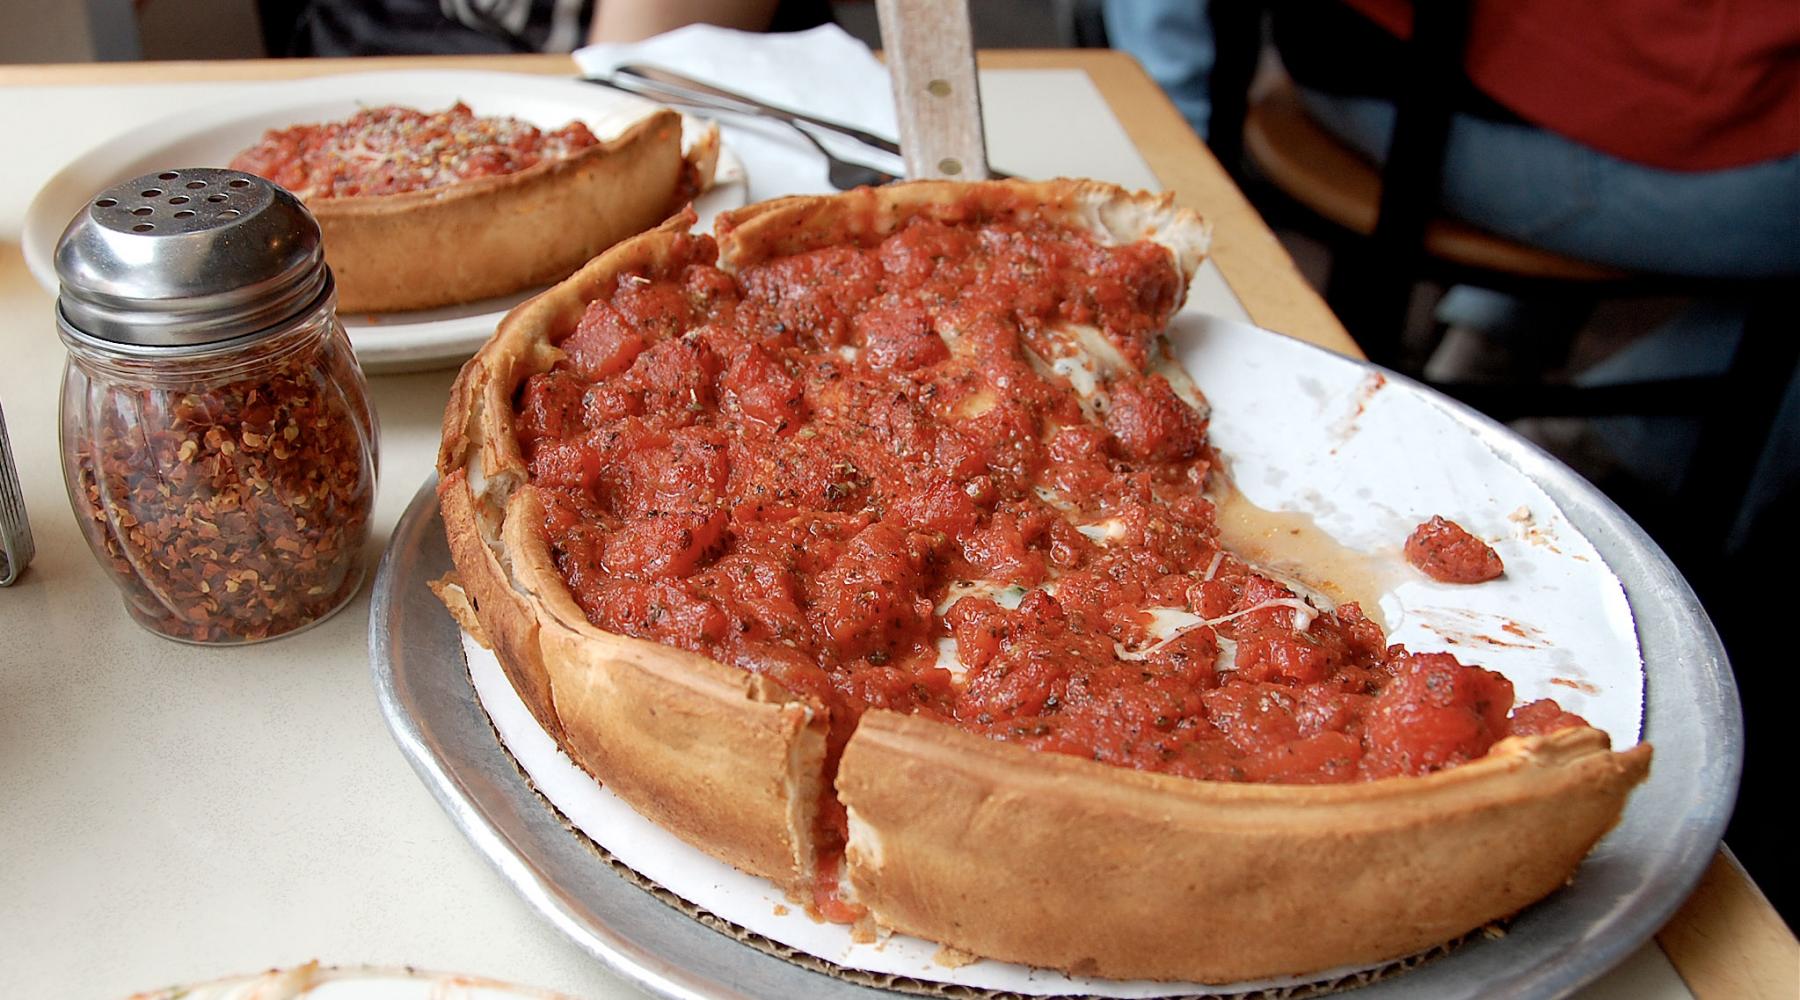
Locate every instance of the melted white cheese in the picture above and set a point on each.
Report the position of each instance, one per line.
(1212, 568)
(1053, 498)
(1007, 595)
(1081, 373)
(1177, 377)
(1227, 660)
(1304, 613)
(1168, 623)
(1096, 350)
(976, 403)
(1087, 361)
(1103, 531)
(1165, 625)
(948, 660)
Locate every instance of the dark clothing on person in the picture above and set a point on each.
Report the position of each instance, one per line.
(455, 27)
(1677, 85)
(1328, 47)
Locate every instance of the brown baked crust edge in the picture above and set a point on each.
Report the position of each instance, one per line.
(726, 760)
(1057, 861)
(783, 226)
(1036, 858)
(497, 235)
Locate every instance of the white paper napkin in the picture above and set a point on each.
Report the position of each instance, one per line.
(823, 71)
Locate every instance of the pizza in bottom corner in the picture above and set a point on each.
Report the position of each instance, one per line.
(867, 547)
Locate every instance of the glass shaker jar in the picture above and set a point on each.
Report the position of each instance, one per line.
(217, 440)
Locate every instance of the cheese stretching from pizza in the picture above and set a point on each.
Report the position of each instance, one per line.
(393, 150)
(917, 467)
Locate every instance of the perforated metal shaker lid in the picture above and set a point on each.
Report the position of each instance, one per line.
(185, 260)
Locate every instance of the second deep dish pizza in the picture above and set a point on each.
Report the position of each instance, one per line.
(868, 548)
(429, 208)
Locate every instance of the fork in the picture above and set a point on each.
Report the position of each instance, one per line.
(843, 174)
(667, 81)
(15, 530)
(698, 93)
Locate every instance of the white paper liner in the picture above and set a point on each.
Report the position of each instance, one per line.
(1305, 430)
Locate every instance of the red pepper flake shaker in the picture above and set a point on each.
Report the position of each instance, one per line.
(218, 444)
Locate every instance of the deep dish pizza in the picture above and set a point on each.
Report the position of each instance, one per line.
(868, 548)
(422, 209)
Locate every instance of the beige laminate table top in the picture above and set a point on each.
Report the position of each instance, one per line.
(175, 814)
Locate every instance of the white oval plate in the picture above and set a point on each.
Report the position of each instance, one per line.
(312, 982)
(211, 136)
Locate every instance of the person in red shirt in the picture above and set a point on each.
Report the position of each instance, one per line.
(1654, 135)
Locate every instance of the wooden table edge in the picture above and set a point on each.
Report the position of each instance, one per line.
(1726, 941)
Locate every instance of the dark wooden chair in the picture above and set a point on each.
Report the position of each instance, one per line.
(1387, 236)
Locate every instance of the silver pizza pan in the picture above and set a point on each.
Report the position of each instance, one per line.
(1623, 893)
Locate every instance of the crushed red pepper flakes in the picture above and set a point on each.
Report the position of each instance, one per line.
(236, 513)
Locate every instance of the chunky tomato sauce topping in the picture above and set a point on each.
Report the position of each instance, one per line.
(952, 474)
(1446, 552)
(391, 150)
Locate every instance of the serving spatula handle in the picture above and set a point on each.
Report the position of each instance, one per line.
(931, 57)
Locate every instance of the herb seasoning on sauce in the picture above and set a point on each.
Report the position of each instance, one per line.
(1446, 552)
(393, 150)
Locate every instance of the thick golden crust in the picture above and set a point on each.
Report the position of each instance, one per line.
(1057, 861)
(728, 761)
(507, 621)
(496, 235)
(449, 591)
(995, 850)
(784, 226)
(722, 758)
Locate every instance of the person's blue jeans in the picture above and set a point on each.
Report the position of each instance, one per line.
(1536, 187)
(1525, 183)
(1174, 42)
